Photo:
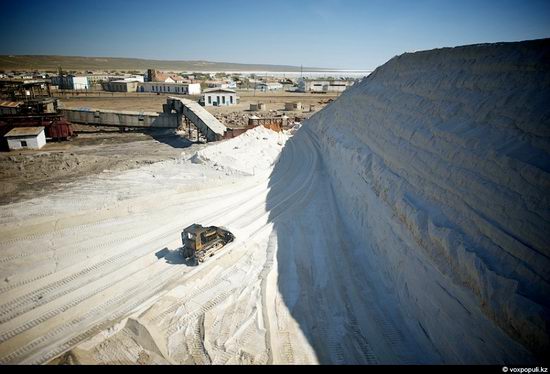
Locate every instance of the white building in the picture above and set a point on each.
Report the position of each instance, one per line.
(220, 97)
(71, 82)
(164, 87)
(80, 83)
(269, 86)
(26, 138)
(305, 85)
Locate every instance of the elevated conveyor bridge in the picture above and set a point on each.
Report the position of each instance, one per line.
(212, 129)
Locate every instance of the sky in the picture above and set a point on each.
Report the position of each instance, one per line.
(342, 34)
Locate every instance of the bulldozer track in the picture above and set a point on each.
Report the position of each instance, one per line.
(93, 312)
(29, 298)
(196, 198)
(119, 240)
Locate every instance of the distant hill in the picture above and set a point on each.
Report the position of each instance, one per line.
(44, 62)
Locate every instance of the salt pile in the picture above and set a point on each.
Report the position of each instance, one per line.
(441, 161)
(234, 154)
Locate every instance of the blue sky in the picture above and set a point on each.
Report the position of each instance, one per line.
(348, 34)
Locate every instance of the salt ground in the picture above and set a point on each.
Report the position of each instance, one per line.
(402, 224)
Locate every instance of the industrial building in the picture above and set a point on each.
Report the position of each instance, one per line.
(86, 82)
(122, 119)
(94, 79)
(71, 82)
(102, 78)
(269, 86)
(122, 86)
(24, 89)
(219, 97)
(177, 88)
(28, 103)
(26, 138)
(305, 85)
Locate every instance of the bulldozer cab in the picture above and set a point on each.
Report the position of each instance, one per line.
(199, 241)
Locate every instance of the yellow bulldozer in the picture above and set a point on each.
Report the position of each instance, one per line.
(200, 242)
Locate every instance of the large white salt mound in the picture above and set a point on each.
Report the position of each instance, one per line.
(251, 153)
(446, 153)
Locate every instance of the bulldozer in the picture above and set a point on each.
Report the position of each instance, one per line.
(200, 243)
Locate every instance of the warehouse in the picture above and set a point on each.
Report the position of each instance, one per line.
(305, 85)
(123, 86)
(26, 138)
(71, 82)
(177, 88)
(269, 86)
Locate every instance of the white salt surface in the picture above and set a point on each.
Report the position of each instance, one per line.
(405, 223)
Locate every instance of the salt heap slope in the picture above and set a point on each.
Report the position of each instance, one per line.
(234, 156)
(440, 161)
